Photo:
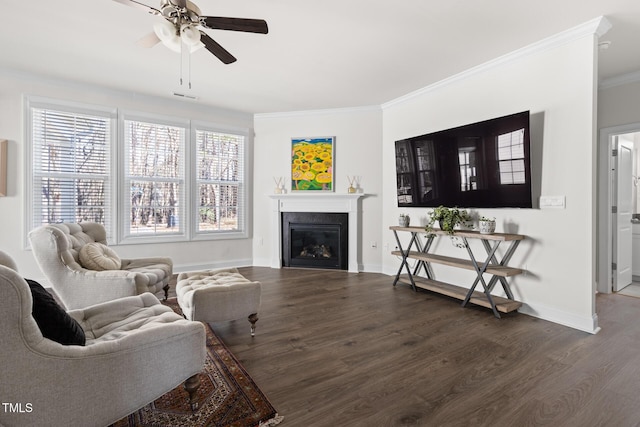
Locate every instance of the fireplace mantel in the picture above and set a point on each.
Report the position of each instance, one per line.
(316, 202)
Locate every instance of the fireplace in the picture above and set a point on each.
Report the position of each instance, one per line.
(315, 240)
(315, 202)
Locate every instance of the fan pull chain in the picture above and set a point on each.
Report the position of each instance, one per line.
(189, 68)
(181, 49)
(182, 60)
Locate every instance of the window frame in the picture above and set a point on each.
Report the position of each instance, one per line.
(124, 236)
(117, 230)
(36, 102)
(244, 218)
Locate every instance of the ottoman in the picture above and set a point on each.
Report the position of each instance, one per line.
(218, 295)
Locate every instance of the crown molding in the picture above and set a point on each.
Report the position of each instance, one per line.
(598, 26)
(348, 110)
(620, 80)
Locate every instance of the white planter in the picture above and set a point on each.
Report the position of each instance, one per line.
(487, 227)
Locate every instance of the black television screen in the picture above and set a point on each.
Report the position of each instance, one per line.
(480, 165)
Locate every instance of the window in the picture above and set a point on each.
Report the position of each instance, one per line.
(156, 179)
(511, 157)
(219, 182)
(71, 178)
(153, 193)
(467, 165)
(426, 170)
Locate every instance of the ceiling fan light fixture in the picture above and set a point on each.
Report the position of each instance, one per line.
(190, 34)
(166, 32)
(180, 22)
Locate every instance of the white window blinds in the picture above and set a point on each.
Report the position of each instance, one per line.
(71, 155)
(150, 178)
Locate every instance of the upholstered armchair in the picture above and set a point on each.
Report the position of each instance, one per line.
(83, 270)
(135, 350)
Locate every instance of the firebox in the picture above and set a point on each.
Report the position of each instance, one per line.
(315, 240)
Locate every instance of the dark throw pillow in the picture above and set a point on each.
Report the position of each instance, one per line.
(53, 321)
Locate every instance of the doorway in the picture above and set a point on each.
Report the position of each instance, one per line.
(618, 207)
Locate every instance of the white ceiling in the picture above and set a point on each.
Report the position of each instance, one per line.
(317, 55)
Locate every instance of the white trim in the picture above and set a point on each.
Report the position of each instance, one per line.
(582, 323)
(124, 236)
(598, 26)
(35, 101)
(620, 80)
(316, 202)
(208, 266)
(347, 110)
(246, 217)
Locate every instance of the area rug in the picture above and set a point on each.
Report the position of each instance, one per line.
(227, 396)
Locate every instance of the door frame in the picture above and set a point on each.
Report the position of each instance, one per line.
(605, 202)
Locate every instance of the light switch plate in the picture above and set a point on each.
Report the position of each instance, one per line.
(552, 202)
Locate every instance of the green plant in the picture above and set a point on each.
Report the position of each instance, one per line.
(447, 218)
(485, 218)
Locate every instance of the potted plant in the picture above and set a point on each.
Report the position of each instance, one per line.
(487, 225)
(447, 218)
(404, 220)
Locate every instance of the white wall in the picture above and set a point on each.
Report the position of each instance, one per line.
(619, 105)
(557, 85)
(358, 145)
(14, 86)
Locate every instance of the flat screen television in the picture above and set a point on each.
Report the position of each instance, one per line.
(480, 165)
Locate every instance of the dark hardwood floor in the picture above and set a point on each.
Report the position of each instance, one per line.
(342, 349)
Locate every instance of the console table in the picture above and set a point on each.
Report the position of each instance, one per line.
(498, 269)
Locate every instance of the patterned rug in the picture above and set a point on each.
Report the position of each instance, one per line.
(227, 396)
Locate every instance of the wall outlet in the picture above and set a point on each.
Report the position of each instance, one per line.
(374, 244)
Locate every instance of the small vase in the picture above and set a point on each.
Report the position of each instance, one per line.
(404, 221)
(487, 227)
(351, 189)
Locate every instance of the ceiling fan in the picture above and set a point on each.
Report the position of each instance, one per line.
(182, 20)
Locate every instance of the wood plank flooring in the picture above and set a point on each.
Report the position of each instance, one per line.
(342, 349)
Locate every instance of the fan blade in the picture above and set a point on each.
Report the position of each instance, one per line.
(150, 40)
(139, 5)
(213, 47)
(235, 24)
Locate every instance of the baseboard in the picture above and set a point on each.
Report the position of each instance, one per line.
(587, 324)
(261, 262)
(583, 323)
(208, 266)
(370, 268)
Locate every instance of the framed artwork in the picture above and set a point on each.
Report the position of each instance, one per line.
(312, 161)
(3, 167)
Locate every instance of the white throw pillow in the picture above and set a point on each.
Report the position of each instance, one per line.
(96, 256)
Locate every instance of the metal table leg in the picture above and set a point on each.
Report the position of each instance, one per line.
(480, 270)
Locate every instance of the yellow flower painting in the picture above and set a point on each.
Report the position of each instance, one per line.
(312, 164)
